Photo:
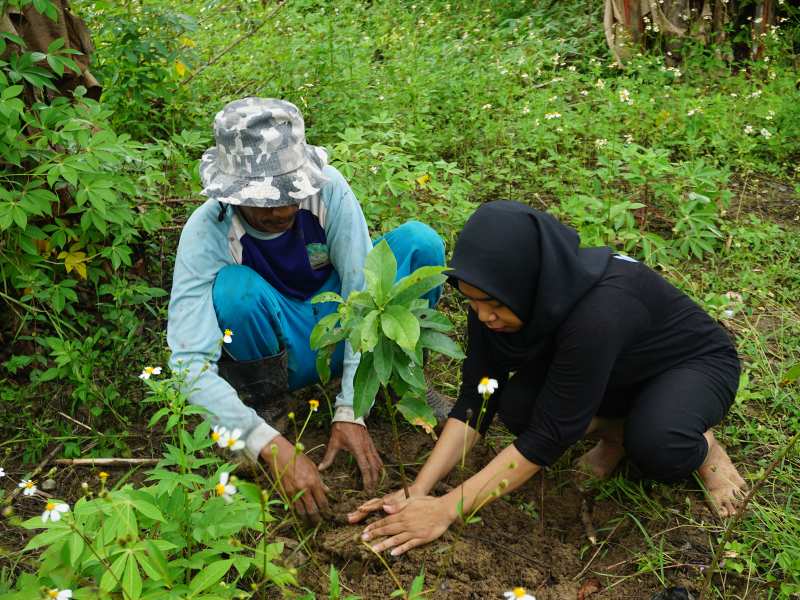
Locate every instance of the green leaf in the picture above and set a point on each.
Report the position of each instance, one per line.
(46, 538)
(110, 578)
(416, 411)
(417, 283)
(369, 331)
(365, 385)
(324, 363)
(145, 504)
(382, 360)
(327, 297)
(11, 92)
(209, 576)
(323, 326)
(412, 374)
(439, 342)
(430, 318)
(380, 269)
(400, 325)
(132, 579)
(158, 560)
(334, 588)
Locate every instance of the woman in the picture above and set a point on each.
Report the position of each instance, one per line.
(580, 341)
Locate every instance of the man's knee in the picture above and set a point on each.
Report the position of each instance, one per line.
(662, 453)
(428, 246)
(237, 293)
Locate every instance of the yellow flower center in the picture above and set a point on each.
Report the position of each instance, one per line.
(314, 404)
(228, 332)
(28, 484)
(215, 436)
(485, 382)
(52, 593)
(519, 592)
(103, 475)
(148, 370)
(220, 489)
(231, 442)
(49, 506)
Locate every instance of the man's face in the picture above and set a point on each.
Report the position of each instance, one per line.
(270, 220)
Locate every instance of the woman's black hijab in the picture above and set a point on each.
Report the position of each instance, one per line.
(531, 263)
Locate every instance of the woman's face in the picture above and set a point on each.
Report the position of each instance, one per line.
(491, 312)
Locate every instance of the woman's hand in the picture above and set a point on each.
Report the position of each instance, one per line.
(369, 506)
(410, 523)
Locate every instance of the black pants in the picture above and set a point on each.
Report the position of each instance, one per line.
(665, 417)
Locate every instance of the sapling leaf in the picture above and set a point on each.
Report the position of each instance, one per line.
(432, 319)
(365, 385)
(411, 373)
(439, 342)
(416, 411)
(401, 326)
(380, 270)
(327, 297)
(382, 357)
(416, 284)
(324, 363)
(369, 331)
(323, 326)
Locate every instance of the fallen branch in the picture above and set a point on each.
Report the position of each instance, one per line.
(235, 43)
(105, 462)
(726, 536)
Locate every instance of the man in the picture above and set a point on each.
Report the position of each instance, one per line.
(280, 226)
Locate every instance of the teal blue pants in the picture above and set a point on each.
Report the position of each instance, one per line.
(266, 322)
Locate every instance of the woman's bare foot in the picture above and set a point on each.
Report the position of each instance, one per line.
(722, 481)
(600, 461)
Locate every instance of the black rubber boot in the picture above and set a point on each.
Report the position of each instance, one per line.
(262, 384)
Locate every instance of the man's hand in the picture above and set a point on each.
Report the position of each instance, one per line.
(356, 439)
(297, 472)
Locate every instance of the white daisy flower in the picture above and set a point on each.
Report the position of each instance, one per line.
(2, 472)
(625, 96)
(217, 433)
(487, 386)
(225, 489)
(227, 336)
(28, 487)
(765, 133)
(748, 129)
(59, 594)
(517, 593)
(148, 371)
(230, 440)
(52, 511)
(600, 142)
(552, 115)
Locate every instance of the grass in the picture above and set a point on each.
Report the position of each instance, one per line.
(431, 108)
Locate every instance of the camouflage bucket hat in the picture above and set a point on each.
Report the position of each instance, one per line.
(261, 157)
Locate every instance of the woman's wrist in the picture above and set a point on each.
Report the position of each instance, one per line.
(450, 502)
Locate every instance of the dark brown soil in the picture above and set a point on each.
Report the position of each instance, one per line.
(509, 547)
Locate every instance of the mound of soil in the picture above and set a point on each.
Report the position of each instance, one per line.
(511, 546)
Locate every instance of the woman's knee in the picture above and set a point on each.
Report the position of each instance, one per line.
(664, 454)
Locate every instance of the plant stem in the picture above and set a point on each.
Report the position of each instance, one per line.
(396, 435)
(726, 536)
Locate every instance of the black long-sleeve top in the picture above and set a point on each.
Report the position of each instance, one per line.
(631, 326)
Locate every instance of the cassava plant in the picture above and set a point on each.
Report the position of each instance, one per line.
(392, 327)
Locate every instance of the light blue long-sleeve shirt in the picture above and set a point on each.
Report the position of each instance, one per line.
(193, 334)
